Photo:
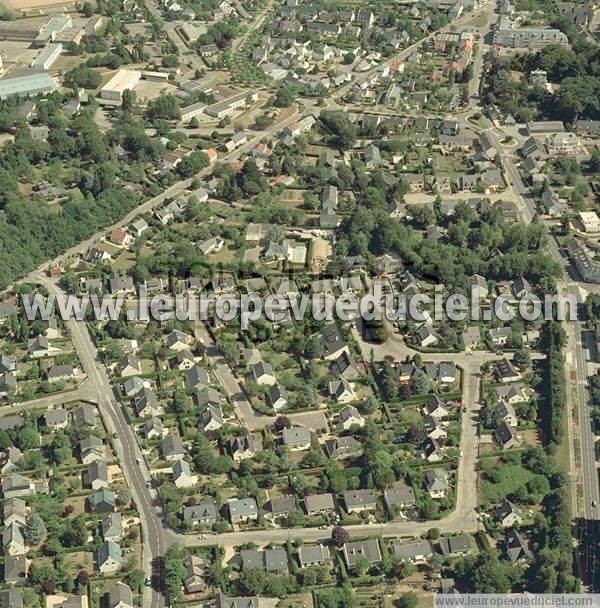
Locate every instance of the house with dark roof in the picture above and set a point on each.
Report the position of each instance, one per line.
(102, 501)
(296, 438)
(172, 448)
(279, 507)
(506, 436)
(436, 483)
(242, 448)
(507, 514)
(120, 596)
(15, 570)
(91, 448)
(109, 557)
(401, 497)
(516, 547)
(364, 549)
(242, 510)
(339, 448)
(205, 512)
(455, 545)
(414, 550)
(357, 501)
(333, 342)
(269, 560)
(111, 526)
(15, 485)
(313, 555)
(318, 503)
(97, 474)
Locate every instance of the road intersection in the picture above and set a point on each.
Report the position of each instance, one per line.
(157, 537)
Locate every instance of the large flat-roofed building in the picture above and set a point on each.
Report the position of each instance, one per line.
(189, 112)
(31, 84)
(14, 30)
(52, 27)
(506, 34)
(585, 263)
(47, 57)
(123, 80)
(227, 106)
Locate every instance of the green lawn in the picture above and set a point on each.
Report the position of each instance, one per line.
(503, 479)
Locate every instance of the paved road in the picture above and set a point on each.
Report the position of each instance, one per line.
(81, 392)
(590, 524)
(128, 450)
(172, 192)
(239, 43)
(249, 418)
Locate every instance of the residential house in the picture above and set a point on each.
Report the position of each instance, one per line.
(120, 596)
(341, 391)
(109, 557)
(153, 428)
(504, 412)
(277, 397)
(111, 526)
(455, 545)
(102, 501)
(339, 448)
(364, 549)
(14, 510)
(516, 547)
(97, 475)
(296, 438)
(508, 514)
(506, 436)
(349, 416)
(274, 561)
(212, 418)
(91, 448)
(56, 419)
(195, 567)
(129, 365)
(333, 342)
(279, 507)
(313, 555)
(13, 539)
(435, 407)
(182, 474)
(414, 550)
(400, 497)
(172, 448)
(242, 510)
(316, 504)
(15, 571)
(242, 448)
(204, 512)
(360, 500)
(262, 374)
(145, 403)
(436, 483)
(84, 417)
(506, 371)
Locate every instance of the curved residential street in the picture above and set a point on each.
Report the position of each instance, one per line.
(157, 537)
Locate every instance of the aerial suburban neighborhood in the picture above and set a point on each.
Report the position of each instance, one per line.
(301, 155)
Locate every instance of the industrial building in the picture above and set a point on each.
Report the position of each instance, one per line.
(189, 112)
(123, 80)
(32, 84)
(227, 106)
(51, 28)
(155, 76)
(47, 57)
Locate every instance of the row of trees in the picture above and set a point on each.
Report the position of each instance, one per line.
(554, 384)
